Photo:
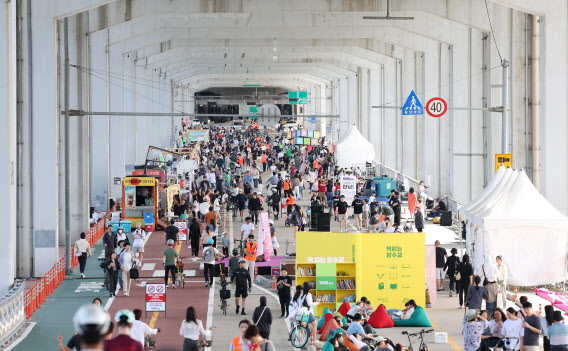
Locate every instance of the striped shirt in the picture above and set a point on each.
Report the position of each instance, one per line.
(558, 334)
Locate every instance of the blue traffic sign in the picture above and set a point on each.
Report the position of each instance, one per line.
(313, 120)
(412, 106)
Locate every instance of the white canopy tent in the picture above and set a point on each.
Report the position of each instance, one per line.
(522, 226)
(463, 210)
(353, 149)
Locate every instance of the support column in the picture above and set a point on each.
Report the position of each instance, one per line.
(8, 143)
(375, 93)
(141, 121)
(364, 106)
(130, 123)
(45, 136)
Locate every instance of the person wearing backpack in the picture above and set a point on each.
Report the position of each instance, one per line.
(464, 278)
(451, 267)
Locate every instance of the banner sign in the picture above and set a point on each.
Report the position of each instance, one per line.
(348, 188)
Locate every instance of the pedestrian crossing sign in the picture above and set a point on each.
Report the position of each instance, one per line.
(412, 106)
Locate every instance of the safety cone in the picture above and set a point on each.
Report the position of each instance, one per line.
(274, 282)
(539, 309)
(516, 292)
(255, 272)
(311, 339)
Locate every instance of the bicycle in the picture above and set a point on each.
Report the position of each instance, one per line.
(180, 277)
(501, 344)
(299, 334)
(224, 293)
(240, 246)
(420, 334)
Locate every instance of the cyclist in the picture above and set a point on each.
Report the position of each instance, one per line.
(91, 323)
(241, 276)
(233, 262)
(210, 254)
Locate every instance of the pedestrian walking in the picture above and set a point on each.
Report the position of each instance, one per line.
(238, 343)
(109, 241)
(140, 328)
(283, 284)
(475, 294)
(82, 251)
(126, 262)
(441, 256)
(138, 236)
(112, 273)
(256, 342)
(190, 329)
(451, 268)
(123, 341)
(262, 317)
(195, 236)
(169, 263)
(241, 277)
(465, 275)
(210, 253)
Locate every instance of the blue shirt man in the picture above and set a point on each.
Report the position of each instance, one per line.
(558, 332)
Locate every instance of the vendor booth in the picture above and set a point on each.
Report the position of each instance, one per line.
(140, 196)
(354, 149)
(522, 226)
(388, 269)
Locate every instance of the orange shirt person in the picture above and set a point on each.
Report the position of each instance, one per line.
(240, 160)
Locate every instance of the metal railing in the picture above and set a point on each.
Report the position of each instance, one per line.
(12, 313)
(453, 205)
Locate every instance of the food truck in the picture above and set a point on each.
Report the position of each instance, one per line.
(140, 196)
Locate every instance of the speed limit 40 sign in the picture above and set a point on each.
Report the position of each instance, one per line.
(436, 107)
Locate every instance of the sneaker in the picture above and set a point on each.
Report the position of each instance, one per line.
(125, 294)
(82, 276)
(450, 293)
(243, 312)
(238, 307)
(110, 295)
(173, 286)
(282, 316)
(206, 284)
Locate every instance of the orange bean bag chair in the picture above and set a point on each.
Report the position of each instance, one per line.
(380, 318)
(326, 319)
(344, 308)
(349, 344)
(331, 325)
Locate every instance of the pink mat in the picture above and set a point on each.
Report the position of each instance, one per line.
(557, 299)
(274, 262)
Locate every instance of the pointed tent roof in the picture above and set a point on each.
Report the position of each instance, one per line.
(488, 189)
(517, 207)
(354, 149)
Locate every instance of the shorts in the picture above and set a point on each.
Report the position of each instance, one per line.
(254, 213)
(137, 249)
(311, 318)
(241, 207)
(241, 292)
(342, 217)
(440, 274)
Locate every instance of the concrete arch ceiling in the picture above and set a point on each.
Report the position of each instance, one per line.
(239, 80)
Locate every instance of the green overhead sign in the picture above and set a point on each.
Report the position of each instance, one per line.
(298, 97)
(253, 110)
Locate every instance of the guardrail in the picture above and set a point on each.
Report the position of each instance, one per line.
(12, 314)
(453, 205)
(44, 287)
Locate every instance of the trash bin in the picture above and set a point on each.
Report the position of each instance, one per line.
(115, 225)
(149, 218)
(149, 228)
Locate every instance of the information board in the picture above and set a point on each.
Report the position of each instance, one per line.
(155, 297)
(348, 188)
(182, 227)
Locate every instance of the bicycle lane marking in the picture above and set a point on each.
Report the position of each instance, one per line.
(450, 341)
(210, 307)
(286, 320)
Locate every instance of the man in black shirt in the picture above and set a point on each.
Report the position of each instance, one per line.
(254, 207)
(241, 276)
(275, 202)
(109, 241)
(441, 256)
(171, 232)
(334, 201)
(395, 204)
(342, 212)
(439, 208)
(283, 284)
(357, 211)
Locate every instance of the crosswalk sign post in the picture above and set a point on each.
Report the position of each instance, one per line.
(412, 106)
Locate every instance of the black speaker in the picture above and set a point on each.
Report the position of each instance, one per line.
(323, 222)
(446, 219)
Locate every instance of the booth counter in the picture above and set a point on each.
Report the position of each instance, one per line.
(140, 196)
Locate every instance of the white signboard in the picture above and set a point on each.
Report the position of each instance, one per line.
(182, 227)
(348, 188)
(155, 297)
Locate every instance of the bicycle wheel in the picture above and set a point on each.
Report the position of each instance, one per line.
(224, 307)
(299, 337)
(182, 282)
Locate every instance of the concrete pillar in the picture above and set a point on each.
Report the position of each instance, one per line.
(8, 142)
(364, 98)
(329, 109)
(141, 121)
(45, 136)
(345, 118)
(130, 123)
(389, 125)
(116, 124)
(374, 119)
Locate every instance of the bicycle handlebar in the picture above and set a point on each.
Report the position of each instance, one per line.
(405, 332)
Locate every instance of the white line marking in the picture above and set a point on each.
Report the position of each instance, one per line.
(189, 273)
(159, 273)
(148, 266)
(22, 337)
(109, 303)
(210, 308)
(201, 266)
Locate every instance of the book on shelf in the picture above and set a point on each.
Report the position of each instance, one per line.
(306, 271)
(345, 284)
(348, 298)
(326, 298)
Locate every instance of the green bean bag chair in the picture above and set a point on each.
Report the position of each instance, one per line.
(418, 319)
(337, 314)
(323, 319)
(327, 347)
(333, 331)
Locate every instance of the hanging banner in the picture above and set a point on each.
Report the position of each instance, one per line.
(130, 195)
(431, 273)
(170, 192)
(264, 238)
(348, 188)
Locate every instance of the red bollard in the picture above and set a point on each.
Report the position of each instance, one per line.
(255, 272)
(274, 282)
